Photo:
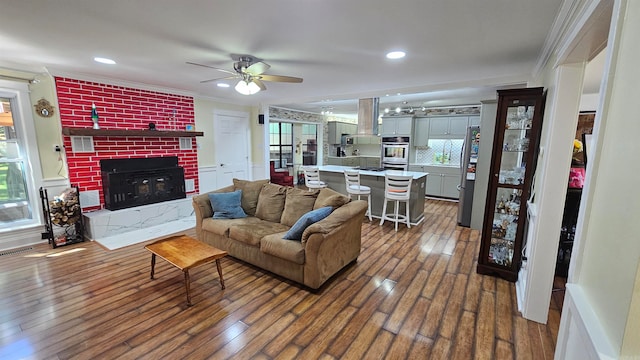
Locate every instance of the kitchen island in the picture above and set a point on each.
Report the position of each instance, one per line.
(333, 175)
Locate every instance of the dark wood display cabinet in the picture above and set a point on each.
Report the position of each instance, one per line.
(515, 148)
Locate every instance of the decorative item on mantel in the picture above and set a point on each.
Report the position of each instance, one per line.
(94, 116)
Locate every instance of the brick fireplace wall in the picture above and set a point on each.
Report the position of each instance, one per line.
(123, 108)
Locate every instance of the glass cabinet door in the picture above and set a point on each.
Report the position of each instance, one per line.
(505, 225)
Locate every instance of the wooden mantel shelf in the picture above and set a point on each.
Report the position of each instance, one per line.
(117, 132)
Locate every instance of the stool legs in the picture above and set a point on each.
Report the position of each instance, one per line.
(394, 216)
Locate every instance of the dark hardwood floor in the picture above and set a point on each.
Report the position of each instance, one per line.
(413, 294)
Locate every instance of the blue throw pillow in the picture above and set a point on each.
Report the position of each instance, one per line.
(295, 233)
(227, 205)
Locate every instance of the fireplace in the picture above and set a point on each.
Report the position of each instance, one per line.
(139, 181)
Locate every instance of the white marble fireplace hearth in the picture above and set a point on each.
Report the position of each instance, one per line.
(120, 228)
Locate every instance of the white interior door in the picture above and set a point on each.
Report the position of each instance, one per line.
(231, 146)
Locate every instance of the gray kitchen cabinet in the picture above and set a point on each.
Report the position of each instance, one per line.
(336, 129)
(442, 181)
(373, 162)
(334, 161)
(361, 140)
(421, 131)
(450, 186)
(400, 125)
(448, 127)
(351, 161)
(366, 140)
(434, 185)
(474, 120)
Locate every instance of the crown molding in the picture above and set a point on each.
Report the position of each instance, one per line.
(571, 18)
(118, 82)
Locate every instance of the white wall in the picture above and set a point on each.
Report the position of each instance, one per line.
(609, 264)
(602, 302)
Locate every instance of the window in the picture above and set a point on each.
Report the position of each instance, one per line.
(281, 143)
(14, 197)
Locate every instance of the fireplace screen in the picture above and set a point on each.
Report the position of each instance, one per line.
(140, 181)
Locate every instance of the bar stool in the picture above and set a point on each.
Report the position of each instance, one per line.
(312, 178)
(352, 180)
(397, 188)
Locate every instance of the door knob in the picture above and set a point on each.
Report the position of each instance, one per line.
(221, 165)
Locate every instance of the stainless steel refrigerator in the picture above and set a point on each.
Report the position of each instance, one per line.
(469, 160)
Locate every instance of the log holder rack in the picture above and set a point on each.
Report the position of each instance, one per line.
(64, 233)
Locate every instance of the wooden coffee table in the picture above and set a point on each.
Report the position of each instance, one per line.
(185, 252)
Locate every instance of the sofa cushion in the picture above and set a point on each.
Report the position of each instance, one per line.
(328, 197)
(221, 226)
(271, 202)
(297, 203)
(227, 205)
(250, 193)
(285, 249)
(252, 233)
(312, 217)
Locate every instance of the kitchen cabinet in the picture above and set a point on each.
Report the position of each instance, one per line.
(442, 181)
(369, 161)
(351, 161)
(360, 140)
(336, 129)
(515, 148)
(474, 120)
(366, 140)
(448, 127)
(421, 132)
(397, 125)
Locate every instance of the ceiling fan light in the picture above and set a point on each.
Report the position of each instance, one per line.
(245, 88)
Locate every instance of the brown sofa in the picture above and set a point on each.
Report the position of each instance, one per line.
(325, 248)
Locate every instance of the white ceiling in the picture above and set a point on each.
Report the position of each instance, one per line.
(458, 52)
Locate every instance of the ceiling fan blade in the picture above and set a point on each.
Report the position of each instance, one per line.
(216, 79)
(280, 78)
(211, 67)
(260, 84)
(257, 68)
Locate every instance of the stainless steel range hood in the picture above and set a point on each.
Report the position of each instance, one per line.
(368, 116)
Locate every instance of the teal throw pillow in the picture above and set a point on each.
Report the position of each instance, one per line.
(295, 233)
(227, 205)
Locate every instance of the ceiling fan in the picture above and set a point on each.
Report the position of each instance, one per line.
(250, 70)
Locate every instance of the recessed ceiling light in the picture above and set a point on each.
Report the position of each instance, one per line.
(396, 55)
(223, 85)
(104, 60)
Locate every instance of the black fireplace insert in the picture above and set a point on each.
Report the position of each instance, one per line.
(140, 181)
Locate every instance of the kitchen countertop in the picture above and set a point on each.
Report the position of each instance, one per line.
(439, 165)
(340, 169)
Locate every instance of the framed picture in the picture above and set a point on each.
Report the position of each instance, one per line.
(587, 144)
